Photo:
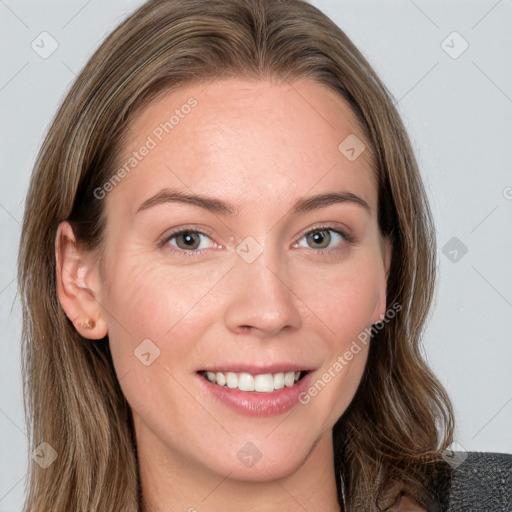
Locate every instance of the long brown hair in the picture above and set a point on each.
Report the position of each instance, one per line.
(400, 418)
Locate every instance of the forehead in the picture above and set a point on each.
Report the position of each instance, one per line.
(247, 140)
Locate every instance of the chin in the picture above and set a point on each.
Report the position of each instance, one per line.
(264, 460)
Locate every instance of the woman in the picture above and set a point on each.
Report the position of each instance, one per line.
(226, 262)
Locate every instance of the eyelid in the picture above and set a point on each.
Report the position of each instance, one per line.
(327, 226)
(202, 230)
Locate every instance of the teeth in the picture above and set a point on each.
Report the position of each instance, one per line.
(232, 380)
(246, 382)
(289, 379)
(264, 383)
(279, 381)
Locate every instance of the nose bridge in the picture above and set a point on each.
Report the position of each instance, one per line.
(261, 297)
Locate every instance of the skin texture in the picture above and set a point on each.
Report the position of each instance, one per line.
(261, 147)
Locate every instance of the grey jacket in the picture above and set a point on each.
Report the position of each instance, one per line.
(475, 482)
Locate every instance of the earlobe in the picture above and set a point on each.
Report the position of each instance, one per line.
(77, 284)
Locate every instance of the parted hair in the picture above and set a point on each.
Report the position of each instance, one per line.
(400, 419)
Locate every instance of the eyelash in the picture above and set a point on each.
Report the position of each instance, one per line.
(197, 253)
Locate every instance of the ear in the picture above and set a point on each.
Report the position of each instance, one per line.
(78, 284)
(380, 308)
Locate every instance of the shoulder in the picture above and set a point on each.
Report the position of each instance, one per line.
(481, 481)
(464, 481)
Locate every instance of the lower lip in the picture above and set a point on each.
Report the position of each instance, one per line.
(255, 403)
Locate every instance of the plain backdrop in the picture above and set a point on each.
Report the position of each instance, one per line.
(448, 66)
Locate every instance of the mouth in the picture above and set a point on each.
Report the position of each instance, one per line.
(256, 390)
(258, 383)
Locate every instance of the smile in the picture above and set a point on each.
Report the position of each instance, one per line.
(263, 383)
(257, 390)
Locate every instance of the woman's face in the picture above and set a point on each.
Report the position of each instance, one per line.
(266, 280)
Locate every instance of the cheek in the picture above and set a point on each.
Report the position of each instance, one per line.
(342, 297)
(157, 317)
(148, 299)
(343, 301)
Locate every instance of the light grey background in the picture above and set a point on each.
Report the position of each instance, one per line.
(459, 115)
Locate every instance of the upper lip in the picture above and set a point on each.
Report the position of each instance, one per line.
(256, 369)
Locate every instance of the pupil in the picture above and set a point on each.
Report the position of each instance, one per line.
(320, 236)
(188, 238)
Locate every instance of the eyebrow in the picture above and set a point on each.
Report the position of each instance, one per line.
(218, 206)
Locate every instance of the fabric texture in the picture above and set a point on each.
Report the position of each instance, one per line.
(481, 482)
(465, 482)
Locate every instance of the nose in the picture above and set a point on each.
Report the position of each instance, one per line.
(261, 298)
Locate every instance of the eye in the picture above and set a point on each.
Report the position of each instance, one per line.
(322, 237)
(193, 242)
(187, 240)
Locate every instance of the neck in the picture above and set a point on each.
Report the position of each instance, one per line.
(170, 484)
